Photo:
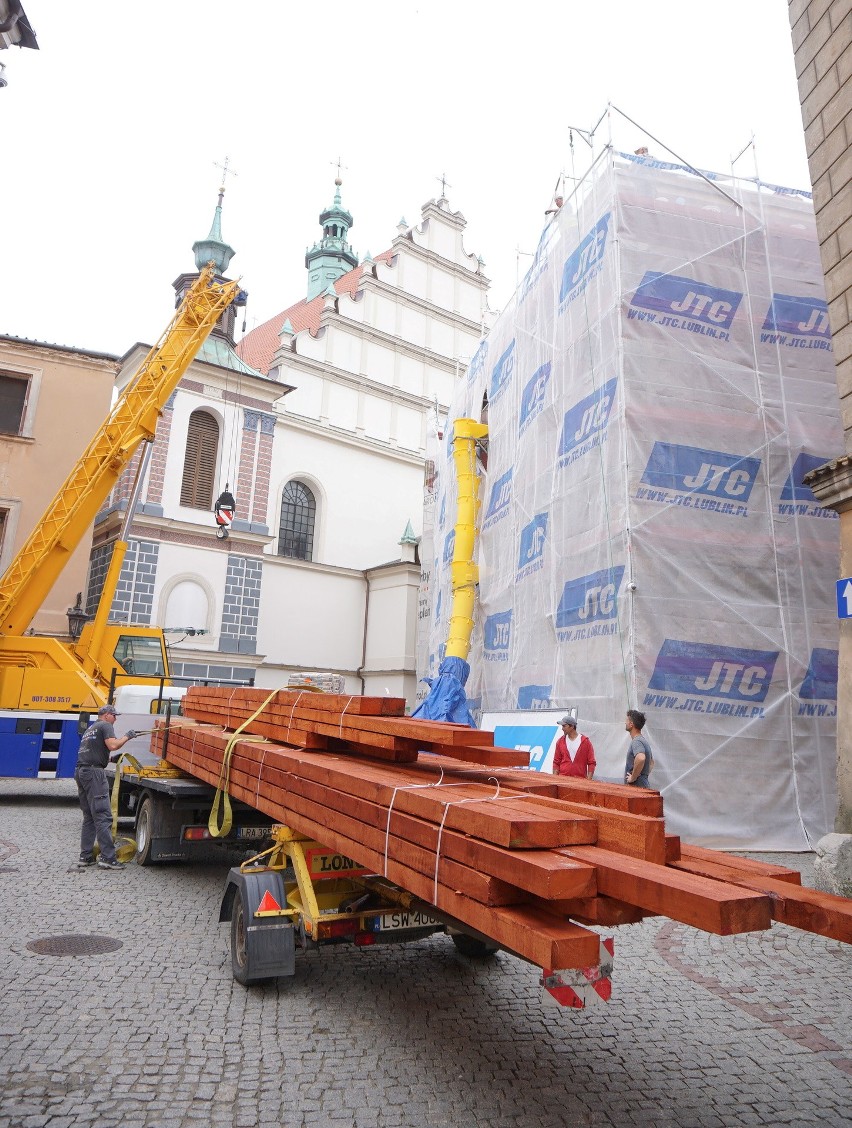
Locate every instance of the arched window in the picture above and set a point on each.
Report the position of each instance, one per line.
(199, 467)
(298, 513)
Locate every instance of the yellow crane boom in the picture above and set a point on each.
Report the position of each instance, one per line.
(40, 560)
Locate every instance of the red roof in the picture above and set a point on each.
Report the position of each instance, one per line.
(259, 346)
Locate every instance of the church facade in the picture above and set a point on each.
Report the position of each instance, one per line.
(315, 429)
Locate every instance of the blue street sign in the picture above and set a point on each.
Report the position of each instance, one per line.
(844, 598)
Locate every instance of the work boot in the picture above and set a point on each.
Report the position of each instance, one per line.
(83, 862)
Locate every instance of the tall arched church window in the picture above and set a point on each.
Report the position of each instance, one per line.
(298, 515)
(199, 467)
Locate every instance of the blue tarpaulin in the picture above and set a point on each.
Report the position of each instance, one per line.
(446, 700)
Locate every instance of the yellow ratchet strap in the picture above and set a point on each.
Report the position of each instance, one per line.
(217, 829)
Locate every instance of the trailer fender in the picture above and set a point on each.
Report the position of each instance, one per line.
(261, 947)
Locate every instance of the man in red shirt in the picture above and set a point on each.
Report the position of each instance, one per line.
(574, 755)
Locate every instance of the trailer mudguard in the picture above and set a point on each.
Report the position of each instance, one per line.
(270, 942)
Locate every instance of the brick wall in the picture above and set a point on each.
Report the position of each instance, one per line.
(822, 42)
(241, 605)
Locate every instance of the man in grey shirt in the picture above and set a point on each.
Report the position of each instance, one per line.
(639, 758)
(98, 747)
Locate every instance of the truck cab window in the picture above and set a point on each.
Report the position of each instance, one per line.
(140, 656)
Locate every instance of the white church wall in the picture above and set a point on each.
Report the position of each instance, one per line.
(344, 347)
(391, 626)
(342, 406)
(470, 302)
(306, 399)
(376, 415)
(381, 311)
(413, 275)
(410, 372)
(409, 428)
(311, 617)
(370, 497)
(190, 586)
(379, 363)
(441, 337)
(412, 325)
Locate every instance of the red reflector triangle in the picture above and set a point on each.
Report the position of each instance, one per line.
(268, 904)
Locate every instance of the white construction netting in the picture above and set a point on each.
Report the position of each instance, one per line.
(656, 391)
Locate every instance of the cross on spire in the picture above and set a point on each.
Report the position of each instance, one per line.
(445, 184)
(226, 172)
(339, 167)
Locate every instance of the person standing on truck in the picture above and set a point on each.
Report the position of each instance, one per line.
(574, 754)
(639, 762)
(98, 747)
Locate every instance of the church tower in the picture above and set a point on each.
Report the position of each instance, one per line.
(212, 249)
(332, 256)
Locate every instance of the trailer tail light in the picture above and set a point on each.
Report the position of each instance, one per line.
(195, 833)
(340, 927)
(363, 939)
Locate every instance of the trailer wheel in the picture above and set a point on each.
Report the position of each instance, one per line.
(146, 828)
(240, 964)
(472, 948)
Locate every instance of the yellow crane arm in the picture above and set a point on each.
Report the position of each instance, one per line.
(39, 562)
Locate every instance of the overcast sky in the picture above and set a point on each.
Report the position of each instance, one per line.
(111, 130)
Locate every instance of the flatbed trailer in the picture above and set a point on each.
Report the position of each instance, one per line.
(294, 895)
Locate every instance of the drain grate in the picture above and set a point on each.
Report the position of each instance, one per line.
(73, 945)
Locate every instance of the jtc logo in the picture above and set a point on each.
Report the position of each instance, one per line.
(587, 418)
(502, 371)
(534, 696)
(501, 495)
(586, 257)
(497, 632)
(589, 599)
(671, 294)
(478, 362)
(696, 470)
(714, 671)
(532, 397)
(820, 682)
(449, 546)
(794, 488)
(533, 539)
(807, 317)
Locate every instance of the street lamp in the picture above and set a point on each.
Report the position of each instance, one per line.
(77, 618)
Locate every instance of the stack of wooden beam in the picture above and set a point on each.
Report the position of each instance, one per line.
(525, 859)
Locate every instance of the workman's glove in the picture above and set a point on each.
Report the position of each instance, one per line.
(131, 734)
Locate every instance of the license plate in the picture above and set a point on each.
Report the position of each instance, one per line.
(389, 922)
(253, 831)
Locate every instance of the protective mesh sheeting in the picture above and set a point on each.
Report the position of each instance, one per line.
(656, 391)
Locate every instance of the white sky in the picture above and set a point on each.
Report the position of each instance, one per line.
(111, 130)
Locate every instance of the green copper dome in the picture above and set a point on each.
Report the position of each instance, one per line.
(214, 249)
(332, 256)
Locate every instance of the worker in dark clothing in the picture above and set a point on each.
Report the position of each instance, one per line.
(99, 746)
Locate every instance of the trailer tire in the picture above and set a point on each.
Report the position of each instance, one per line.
(146, 827)
(472, 948)
(240, 967)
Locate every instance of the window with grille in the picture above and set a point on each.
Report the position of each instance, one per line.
(13, 402)
(298, 514)
(199, 467)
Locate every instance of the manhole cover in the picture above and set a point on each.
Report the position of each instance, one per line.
(73, 945)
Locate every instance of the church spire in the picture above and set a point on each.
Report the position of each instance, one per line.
(332, 256)
(214, 248)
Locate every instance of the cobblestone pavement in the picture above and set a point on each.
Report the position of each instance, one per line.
(701, 1032)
